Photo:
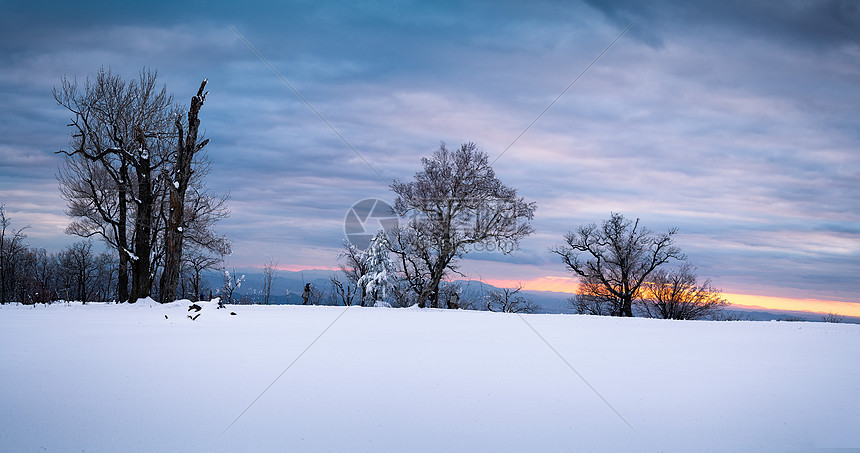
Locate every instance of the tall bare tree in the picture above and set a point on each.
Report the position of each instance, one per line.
(133, 177)
(456, 201)
(187, 147)
(614, 259)
(124, 129)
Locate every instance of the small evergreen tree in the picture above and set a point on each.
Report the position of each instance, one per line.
(380, 276)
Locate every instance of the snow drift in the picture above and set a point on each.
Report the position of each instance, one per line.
(145, 377)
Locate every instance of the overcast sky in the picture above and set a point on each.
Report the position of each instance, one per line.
(736, 123)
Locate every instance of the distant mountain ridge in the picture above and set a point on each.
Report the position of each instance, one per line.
(288, 286)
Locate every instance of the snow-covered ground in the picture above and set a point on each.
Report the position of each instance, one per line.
(105, 377)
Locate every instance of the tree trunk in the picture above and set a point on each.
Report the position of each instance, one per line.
(122, 278)
(431, 290)
(3, 269)
(196, 284)
(425, 294)
(173, 235)
(141, 283)
(172, 248)
(122, 236)
(627, 307)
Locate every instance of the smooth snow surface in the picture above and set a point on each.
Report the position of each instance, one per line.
(108, 378)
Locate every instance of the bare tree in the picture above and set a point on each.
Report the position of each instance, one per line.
(456, 201)
(833, 317)
(187, 147)
(39, 271)
(132, 177)
(354, 267)
(196, 260)
(104, 281)
(35, 276)
(12, 247)
(78, 268)
(343, 292)
(508, 300)
(270, 273)
(124, 129)
(414, 262)
(677, 295)
(616, 257)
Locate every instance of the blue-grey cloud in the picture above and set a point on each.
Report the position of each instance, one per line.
(820, 23)
(734, 121)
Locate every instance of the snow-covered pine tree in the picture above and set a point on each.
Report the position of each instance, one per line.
(380, 276)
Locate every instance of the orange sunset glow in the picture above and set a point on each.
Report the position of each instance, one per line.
(301, 268)
(751, 301)
(783, 303)
(548, 283)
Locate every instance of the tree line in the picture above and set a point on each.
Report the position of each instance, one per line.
(78, 272)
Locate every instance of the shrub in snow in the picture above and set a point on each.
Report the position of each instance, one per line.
(232, 282)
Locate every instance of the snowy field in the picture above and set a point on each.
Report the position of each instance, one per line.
(110, 378)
